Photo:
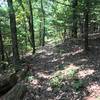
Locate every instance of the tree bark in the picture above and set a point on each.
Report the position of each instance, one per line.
(74, 18)
(64, 34)
(16, 93)
(40, 31)
(43, 21)
(86, 16)
(31, 26)
(1, 47)
(7, 83)
(13, 32)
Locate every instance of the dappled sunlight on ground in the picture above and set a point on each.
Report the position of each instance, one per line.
(77, 51)
(72, 66)
(51, 61)
(81, 61)
(64, 72)
(86, 72)
(42, 75)
(34, 82)
(54, 60)
(73, 52)
(94, 88)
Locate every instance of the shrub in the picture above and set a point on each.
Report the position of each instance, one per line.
(55, 82)
(71, 73)
(77, 84)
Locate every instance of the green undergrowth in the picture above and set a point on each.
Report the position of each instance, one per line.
(68, 74)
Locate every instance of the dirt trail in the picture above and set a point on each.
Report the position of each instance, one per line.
(48, 58)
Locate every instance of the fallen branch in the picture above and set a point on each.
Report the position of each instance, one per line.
(7, 83)
(16, 93)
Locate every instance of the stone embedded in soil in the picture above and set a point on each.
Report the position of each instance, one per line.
(49, 89)
(34, 82)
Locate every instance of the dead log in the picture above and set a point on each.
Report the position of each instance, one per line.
(8, 83)
(16, 93)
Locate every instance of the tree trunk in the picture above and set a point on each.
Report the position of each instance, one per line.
(31, 26)
(64, 34)
(16, 93)
(74, 18)
(7, 83)
(1, 47)
(26, 38)
(86, 16)
(40, 31)
(43, 20)
(13, 32)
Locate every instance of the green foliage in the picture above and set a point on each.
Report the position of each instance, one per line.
(65, 74)
(71, 73)
(55, 82)
(61, 66)
(58, 16)
(98, 97)
(77, 84)
(30, 78)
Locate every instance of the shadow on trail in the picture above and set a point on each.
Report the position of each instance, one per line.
(47, 61)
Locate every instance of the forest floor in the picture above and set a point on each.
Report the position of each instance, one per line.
(49, 60)
(63, 72)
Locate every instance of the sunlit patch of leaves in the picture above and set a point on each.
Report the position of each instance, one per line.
(55, 82)
(30, 78)
(63, 75)
(71, 73)
(98, 97)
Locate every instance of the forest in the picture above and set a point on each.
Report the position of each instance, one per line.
(49, 49)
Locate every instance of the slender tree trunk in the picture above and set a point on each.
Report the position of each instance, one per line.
(86, 16)
(13, 32)
(64, 34)
(31, 26)
(25, 28)
(43, 42)
(40, 28)
(43, 33)
(1, 47)
(81, 28)
(74, 23)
